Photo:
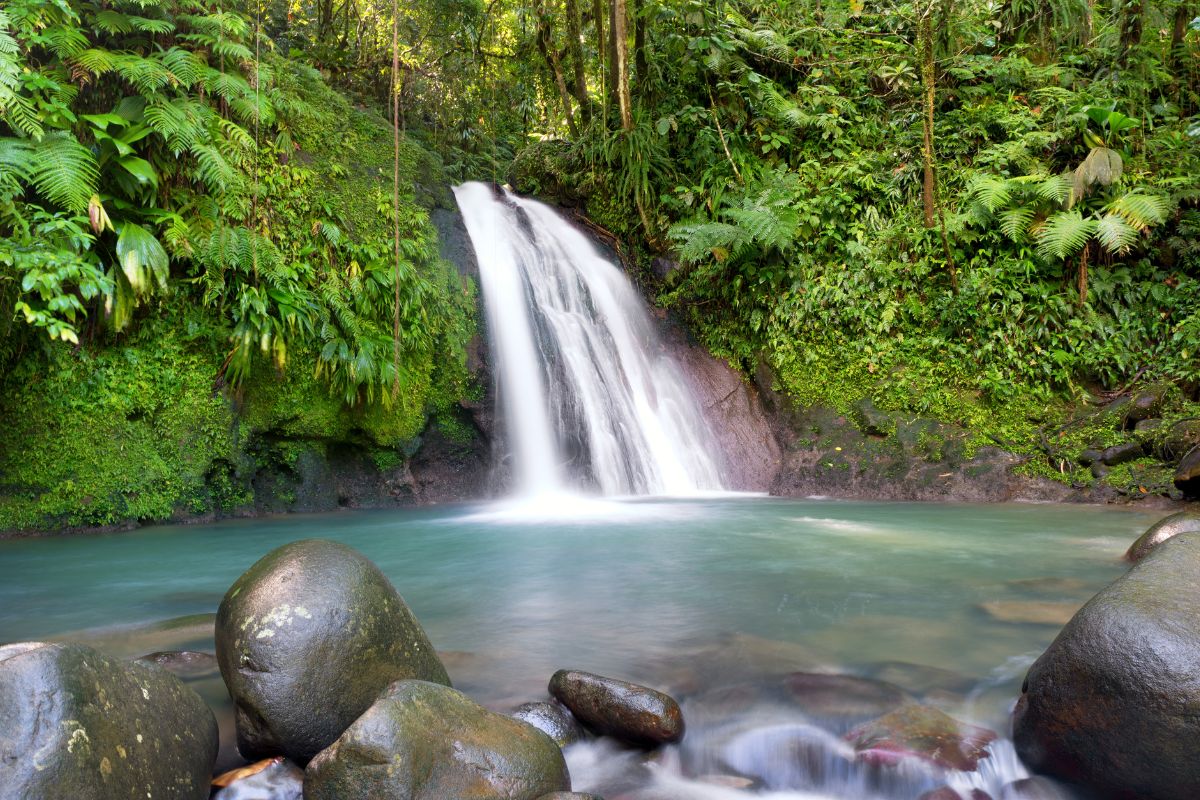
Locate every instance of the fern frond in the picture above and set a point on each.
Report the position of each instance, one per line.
(147, 74)
(1115, 234)
(1141, 211)
(1064, 234)
(990, 192)
(1055, 188)
(186, 66)
(64, 171)
(700, 241)
(96, 61)
(1014, 222)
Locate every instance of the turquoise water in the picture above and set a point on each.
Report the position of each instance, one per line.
(686, 595)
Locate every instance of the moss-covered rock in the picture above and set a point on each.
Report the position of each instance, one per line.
(78, 725)
(306, 639)
(424, 741)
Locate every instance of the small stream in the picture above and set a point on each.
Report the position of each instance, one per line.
(715, 600)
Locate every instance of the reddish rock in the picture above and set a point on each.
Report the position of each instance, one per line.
(922, 732)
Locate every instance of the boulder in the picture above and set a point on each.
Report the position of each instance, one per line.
(1174, 441)
(570, 796)
(1187, 474)
(552, 719)
(78, 725)
(924, 733)
(270, 779)
(1146, 404)
(1035, 788)
(626, 711)
(1114, 703)
(306, 639)
(425, 741)
(1159, 532)
(1122, 453)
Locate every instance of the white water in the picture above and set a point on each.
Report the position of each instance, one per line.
(591, 398)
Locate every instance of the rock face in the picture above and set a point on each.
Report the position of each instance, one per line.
(552, 719)
(625, 711)
(1114, 703)
(1159, 532)
(78, 725)
(424, 741)
(306, 639)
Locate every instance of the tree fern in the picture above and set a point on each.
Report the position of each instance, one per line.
(1140, 211)
(1115, 234)
(1064, 234)
(64, 171)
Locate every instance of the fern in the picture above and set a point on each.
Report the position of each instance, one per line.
(64, 171)
(990, 192)
(1140, 211)
(1115, 234)
(1014, 222)
(1064, 234)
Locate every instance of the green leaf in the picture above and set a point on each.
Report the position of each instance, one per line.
(142, 258)
(1064, 234)
(139, 168)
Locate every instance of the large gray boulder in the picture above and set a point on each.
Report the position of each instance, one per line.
(424, 741)
(306, 639)
(1114, 703)
(1166, 528)
(78, 725)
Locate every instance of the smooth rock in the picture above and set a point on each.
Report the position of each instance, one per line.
(921, 732)
(1159, 532)
(270, 779)
(1114, 703)
(1122, 453)
(553, 719)
(570, 796)
(1145, 405)
(1035, 612)
(425, 741)
(306, 639)
(824, 695)
(1187, 474)
(78, 725)
(626, 711)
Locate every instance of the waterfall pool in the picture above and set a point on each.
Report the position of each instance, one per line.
(712, 599)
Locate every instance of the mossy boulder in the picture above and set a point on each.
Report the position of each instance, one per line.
(78, 725)
(635, 714)
(424, 741)
(306, 639)
(1114, 703)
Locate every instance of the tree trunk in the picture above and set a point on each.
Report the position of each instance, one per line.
(925, 49)
(639, 44)
(620, 36)
(1183, 14)
(611, 46)
(1131, 29)
(545, 41)
(601, 52)
(575, 47)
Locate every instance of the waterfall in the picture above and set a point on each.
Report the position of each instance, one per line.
(591, 398)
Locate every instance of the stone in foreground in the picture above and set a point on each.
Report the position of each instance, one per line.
(424, 741)
(1159, 532)
(307, 638)
(626, 711)
(924, 733)
(552, 719)
(1114, 703)
(78, 725)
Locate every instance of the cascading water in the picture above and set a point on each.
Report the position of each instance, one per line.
(591, 398)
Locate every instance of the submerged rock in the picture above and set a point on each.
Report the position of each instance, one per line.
(921, 732)
(307, 638)
(626, 711)
(78, 725)
(1035, 788)
(552, 719)
(1034, 612)
(1114, 703)
(1160, 531)
(822, 695)
(184, 664)
(425, 741)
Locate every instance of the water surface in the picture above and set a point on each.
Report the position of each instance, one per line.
(693, 596)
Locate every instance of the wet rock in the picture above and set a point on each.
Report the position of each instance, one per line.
(946, 793)
(1113, 703)
(78, 725)
(1089, 457)
(1187, 474)
(1159, 532)
(570, 796)
(924, 733)
(1034, 612)
(306, 639)
(921, 677)
(626, 711)
(818, 694)
(1174, 442)
(552, 719)
(184, 664)
(1099, 471)
(1034, 788)
(425, 741)
(1125, 452)
(1145, 405)
(270, 779)
(1048, 584)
